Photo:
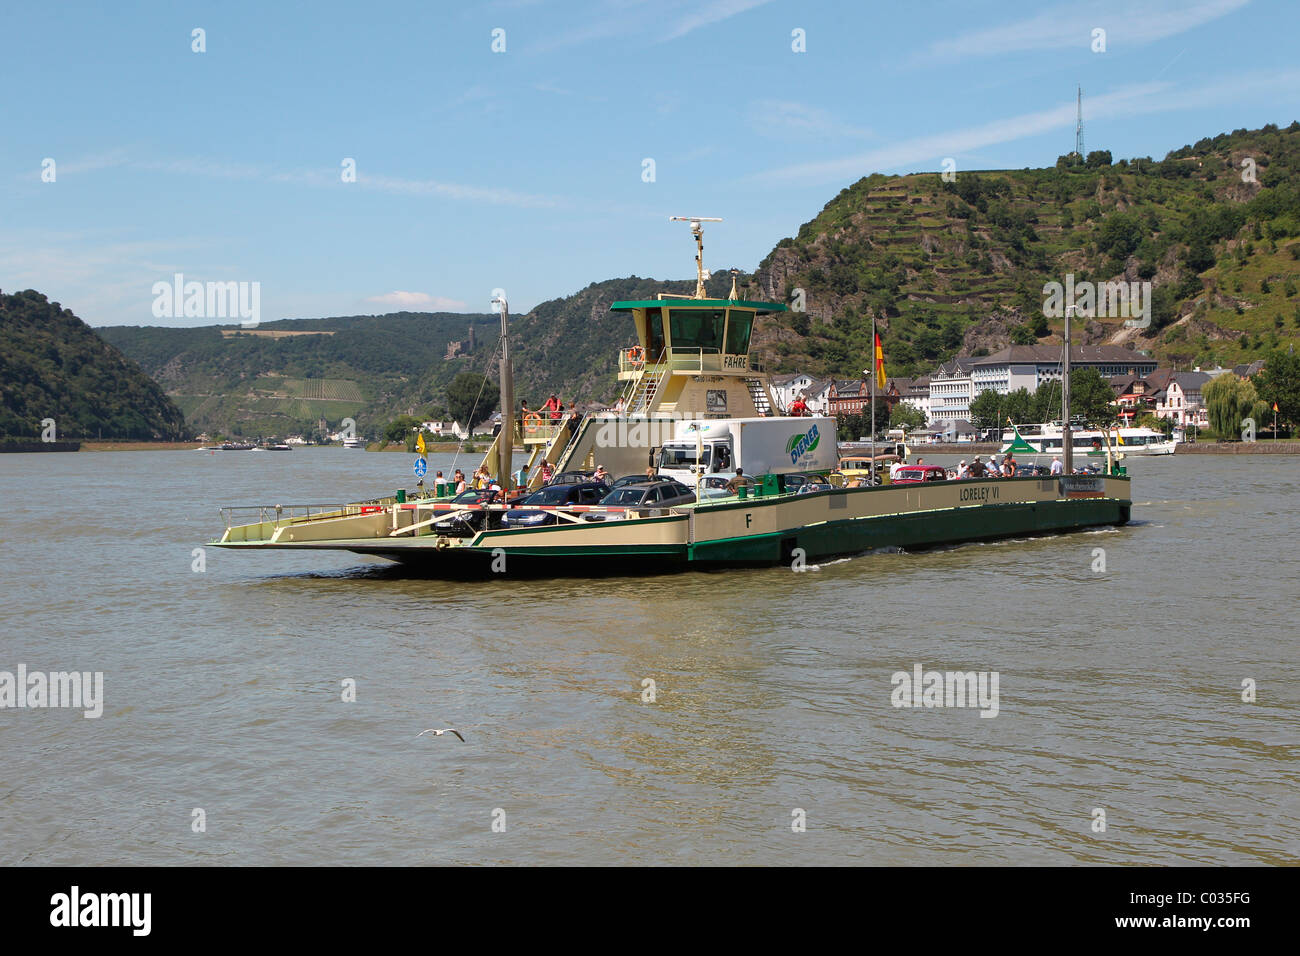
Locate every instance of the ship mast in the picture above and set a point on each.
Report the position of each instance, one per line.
(875, 479)
(506, 437)
(1067, 440)
(701, 273)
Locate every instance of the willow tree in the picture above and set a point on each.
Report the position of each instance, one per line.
(1229, 401)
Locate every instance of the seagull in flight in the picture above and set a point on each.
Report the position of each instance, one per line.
(439, 733)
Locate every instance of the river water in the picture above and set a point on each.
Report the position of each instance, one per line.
(1119, 691)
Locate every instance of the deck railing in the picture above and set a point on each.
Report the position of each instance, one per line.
(277, 515)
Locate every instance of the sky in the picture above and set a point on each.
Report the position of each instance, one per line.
(536, 146)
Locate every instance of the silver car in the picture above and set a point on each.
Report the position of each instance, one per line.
(643, 497)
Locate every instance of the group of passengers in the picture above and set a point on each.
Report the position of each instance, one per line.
(552, 410)
(979, 468)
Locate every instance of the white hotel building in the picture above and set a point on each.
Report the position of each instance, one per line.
(955, 384)
(950, 391)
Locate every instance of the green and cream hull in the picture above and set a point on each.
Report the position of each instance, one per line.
(777, 529)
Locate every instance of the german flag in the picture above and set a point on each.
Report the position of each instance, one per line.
(880, 364)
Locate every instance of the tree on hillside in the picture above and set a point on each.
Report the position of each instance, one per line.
(471, 397)
(1280, 382)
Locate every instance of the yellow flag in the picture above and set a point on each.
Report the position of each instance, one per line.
(880, 364)
(419, 442)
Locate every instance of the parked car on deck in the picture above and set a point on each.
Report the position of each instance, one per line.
(642, 498)
(914, 474)
(571, 478)
(715, 486)
(466, 517)
(553, 496)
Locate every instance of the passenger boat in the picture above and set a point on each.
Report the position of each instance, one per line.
(1046, 438)
(689, 381)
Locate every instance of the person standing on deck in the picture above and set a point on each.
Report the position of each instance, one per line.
(1057, 467)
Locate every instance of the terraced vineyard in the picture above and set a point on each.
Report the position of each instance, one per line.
(959, 266)
(323, 389)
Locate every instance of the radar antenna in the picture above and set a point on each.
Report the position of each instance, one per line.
(701, 274)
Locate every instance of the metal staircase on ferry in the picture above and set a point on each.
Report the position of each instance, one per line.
(641, 395)
(762, 398)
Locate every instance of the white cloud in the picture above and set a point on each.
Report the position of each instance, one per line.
(321, 178)
(788, 119)
(1126, 22)
(411, 300)
(709, 13)
(613, 18)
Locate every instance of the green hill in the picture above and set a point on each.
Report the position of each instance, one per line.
(53, 365)
(946, 267)
(960, 266)
(277, 380)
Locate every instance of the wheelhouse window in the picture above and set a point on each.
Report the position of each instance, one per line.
(697, 328)
(739, 326)
(654, 323)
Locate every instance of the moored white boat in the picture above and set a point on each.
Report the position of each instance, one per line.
(1045, 438)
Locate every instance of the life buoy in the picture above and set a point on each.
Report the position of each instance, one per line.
(636, 355)
(532, 422)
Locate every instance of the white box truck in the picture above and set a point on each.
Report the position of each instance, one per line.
(761, 446)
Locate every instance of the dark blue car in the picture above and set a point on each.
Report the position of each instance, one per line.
(526, 515)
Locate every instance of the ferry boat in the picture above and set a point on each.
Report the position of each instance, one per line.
(690, 373)
(1046, 438)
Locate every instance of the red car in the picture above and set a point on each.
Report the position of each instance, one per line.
(912, 474)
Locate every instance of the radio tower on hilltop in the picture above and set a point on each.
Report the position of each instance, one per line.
(1078, 127)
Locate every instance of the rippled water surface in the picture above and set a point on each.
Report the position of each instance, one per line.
(1119, 690)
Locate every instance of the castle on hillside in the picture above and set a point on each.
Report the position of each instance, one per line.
(462, 348)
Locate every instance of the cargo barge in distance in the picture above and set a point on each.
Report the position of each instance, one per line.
(689, 373)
